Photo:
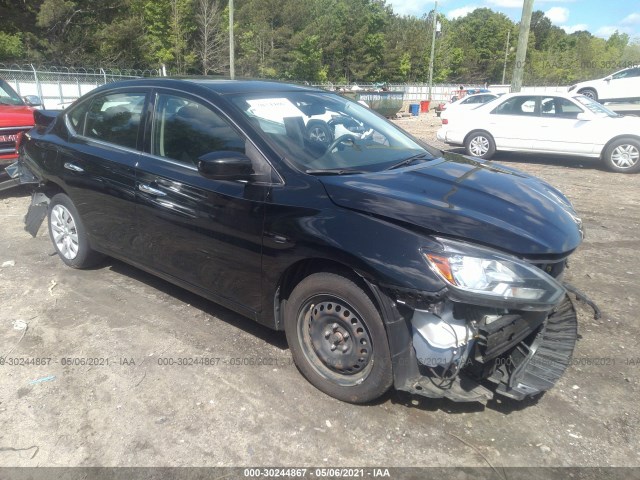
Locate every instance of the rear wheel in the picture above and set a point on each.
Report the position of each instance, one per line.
(337, 338)
(480, 144)
(68, 235)
(623, 156)
(590, 93)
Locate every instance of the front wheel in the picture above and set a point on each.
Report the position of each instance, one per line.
(337, 338)
(623, 156)
(68, 235)
(480, 144)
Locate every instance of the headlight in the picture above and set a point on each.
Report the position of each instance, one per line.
(485, 277)
(572, 88)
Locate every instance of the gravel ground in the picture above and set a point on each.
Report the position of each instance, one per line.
(135, 411)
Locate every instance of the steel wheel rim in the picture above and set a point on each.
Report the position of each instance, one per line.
(64, 232)
(479, 146)
(589, 94)
(625, 156)
(318, 134)
(335, 340)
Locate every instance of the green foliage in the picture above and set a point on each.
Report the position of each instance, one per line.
(10, 46)
(313, 40)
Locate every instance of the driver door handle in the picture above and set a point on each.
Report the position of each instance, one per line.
(151, 191)
(73, 167)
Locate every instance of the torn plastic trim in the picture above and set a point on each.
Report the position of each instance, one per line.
(36, 213)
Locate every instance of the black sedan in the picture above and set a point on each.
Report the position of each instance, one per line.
(385, 261)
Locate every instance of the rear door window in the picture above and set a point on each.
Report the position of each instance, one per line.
(115, 118)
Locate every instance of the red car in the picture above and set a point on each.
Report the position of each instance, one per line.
(16, 117)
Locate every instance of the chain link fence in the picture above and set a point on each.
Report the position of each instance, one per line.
(59, 86)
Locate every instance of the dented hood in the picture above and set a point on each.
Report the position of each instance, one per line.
(472, 200)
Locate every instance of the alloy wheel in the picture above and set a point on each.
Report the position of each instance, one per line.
(64, 232)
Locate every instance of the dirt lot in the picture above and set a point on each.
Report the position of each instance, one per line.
(135, 412)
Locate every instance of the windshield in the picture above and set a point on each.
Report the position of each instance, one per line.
(595, 107)
(8, 96)
(319, 132)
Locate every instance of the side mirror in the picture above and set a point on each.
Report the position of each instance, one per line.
(225, 165)
(583, 117)
(32, 100)
(608, 79)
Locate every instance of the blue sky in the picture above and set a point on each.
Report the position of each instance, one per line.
(601, 18)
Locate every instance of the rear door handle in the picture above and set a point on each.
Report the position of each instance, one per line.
(73, 167)
(151, 191)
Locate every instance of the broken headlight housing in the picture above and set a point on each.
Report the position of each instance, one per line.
(482, 276)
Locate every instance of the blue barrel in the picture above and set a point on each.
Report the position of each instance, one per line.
(414, 109)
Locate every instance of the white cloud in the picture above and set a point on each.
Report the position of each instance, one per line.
(413, 7)
(461, 12)
(631, 19)
(579, 27)
(506, 3)
(608, 30)
(557, 15)
(519, 3)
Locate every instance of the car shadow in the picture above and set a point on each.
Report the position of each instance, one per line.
(506, 158)
(16, 191)
(273, 337)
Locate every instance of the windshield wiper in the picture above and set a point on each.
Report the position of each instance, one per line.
(410, 160)
(334, 171)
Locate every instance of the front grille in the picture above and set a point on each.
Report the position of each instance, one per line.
(8, 138)
(554, 269)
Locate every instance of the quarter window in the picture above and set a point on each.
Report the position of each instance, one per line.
(115, 118)
(185, 129)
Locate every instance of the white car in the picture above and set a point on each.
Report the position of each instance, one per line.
(555, 123)
(622, 85)
(467, 103)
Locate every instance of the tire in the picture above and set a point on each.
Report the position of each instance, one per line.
(623, 155)
(68, 234)
(337, 338)
(319, 132)
(480, 145)
(590, 93)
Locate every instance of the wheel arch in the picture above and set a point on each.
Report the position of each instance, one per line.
(615, 139)
(301, 269)
(478, 130)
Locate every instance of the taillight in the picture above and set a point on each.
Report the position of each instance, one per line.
(445, 121)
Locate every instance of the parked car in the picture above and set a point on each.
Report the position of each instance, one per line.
(551, 124)
(622, 85)
(16, 117)
(456, 95)
(466, 103)
(384, 261)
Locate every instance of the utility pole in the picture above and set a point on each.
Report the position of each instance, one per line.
(433, 47)
(523, 40)
(232, 55)
(506, 57)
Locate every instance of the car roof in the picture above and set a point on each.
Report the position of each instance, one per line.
(219, 86)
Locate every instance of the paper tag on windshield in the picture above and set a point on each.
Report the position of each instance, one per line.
(274, 109)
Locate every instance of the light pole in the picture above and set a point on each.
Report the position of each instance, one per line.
(232, 56)
(506, 56)
(433, 47)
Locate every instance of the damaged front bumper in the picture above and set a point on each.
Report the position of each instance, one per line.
(467, 353)
(19, 174)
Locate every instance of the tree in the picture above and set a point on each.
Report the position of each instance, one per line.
(212, 38)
